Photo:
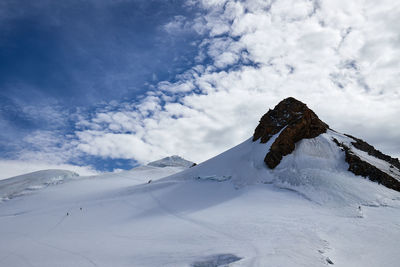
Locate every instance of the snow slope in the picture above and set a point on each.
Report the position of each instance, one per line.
(142, 174)
(24, 184)
(316, 169)
(230, 210)
(28, 183)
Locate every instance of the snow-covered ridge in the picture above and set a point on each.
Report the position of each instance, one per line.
(26, 183)
(31, 182)
(172, 161)
(378, 163)
(316, 169)
(382, 165)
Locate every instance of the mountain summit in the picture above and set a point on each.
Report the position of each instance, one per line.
(292, 121)
(295, 121)
(240, 209)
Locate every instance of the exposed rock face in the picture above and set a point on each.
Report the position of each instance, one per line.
(360, 167)
(364, 146)
(298, 121)
(295, 121)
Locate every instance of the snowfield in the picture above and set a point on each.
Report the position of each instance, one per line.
(228, 211)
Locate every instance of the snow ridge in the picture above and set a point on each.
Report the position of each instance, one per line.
(24, 184)
(172, 161)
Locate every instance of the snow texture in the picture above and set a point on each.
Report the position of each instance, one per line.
(309, 211)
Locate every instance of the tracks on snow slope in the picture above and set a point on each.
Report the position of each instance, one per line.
(209, 227)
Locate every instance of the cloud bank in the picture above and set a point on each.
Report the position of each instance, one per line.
(341, 58)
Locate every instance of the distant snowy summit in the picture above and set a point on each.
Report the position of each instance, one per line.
(172, 161)
(292, 121)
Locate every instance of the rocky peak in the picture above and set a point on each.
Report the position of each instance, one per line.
(295, 121)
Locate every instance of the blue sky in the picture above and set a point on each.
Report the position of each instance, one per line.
(96, 50)
(101, 85)
(79, 55)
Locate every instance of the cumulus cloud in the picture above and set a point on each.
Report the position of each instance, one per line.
(340, 58)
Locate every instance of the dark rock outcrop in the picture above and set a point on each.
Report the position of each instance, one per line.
(362, 168)
(364, 146)
(296, 120)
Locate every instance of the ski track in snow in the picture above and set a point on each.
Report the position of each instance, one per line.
(29, 238)
(209, 227)
(74, 253)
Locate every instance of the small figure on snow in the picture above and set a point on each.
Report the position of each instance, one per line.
(149, 181)
(80, 208)
(360, 213)
(67, 213)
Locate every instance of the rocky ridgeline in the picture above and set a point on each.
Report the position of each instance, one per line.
(365, 169)
(364, 146)
(295, 121)
(298, 121)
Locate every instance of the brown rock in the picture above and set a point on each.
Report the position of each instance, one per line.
(364, 146)
(295, 121)
(362, 168)
(300, 122)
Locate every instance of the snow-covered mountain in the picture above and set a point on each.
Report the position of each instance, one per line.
(28, 183)
(25, 184)
(297, 193)
(173, 161)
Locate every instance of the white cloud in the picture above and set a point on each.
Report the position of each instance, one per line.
(178, 25)
(341, 58)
